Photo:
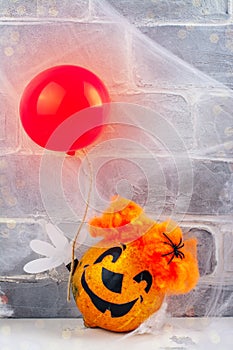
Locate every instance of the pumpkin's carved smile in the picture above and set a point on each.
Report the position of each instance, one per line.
(117, 310)
(113, 282)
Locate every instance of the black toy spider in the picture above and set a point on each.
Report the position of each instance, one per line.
(176, 253)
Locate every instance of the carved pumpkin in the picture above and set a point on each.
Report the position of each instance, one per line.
(121, 281)
(112, 288)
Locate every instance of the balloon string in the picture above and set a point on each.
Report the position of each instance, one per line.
(81, 224)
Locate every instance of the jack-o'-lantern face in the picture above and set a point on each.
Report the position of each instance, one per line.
(114, 289)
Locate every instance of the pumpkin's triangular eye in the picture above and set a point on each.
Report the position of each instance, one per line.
(144, 276)
(112, 280)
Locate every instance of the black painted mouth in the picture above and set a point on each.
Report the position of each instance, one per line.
(117, 310)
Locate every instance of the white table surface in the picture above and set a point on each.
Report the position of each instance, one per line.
(56, 334)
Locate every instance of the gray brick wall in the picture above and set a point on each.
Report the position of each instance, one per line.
(37, 34)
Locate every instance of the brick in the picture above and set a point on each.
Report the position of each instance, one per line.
(49, 189)
(149, 12)
(155, 68)
(137, 132)
(5, 309)
(209, 49)
(64, 9)
(8, 123)
(18, 9)
(214, 126)
(165, 185)
(44, 9)
(206, 250)
(205, 300)
(19, 192)
(46, 299)
(151, 182)
(15, 250)
(212, 188)
(15, 238)
(63, 188)
(173, 108)
(228, 252)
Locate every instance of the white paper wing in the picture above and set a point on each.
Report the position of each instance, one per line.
(42, 248)
(56, 236)
(41, 265)
(54, 255)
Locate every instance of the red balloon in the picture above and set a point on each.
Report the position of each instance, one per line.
(55, 95)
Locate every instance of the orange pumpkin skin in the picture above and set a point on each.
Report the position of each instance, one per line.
(129, 264)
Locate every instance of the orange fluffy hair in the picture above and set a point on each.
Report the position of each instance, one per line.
(124, 221)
